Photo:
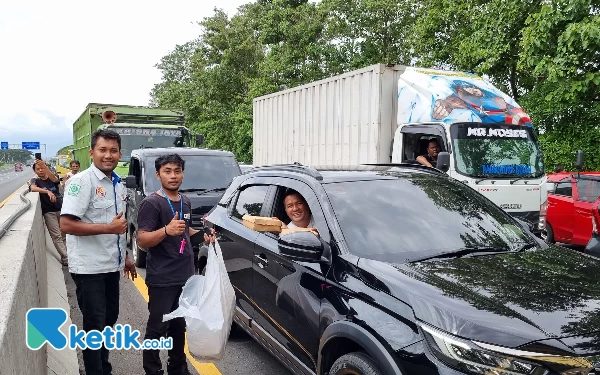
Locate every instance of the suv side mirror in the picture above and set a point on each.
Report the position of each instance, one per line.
(579, 164)
(199, 139)
(301, 247)
(443, 161)
(131, 182)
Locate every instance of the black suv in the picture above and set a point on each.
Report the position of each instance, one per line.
(206, 176)
(413, 273)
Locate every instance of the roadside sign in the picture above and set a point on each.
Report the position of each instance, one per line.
(3, 145)
(31, 145)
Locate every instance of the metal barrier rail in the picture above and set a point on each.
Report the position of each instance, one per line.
(20, 211)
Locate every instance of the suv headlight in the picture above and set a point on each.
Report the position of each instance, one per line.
(474, 358)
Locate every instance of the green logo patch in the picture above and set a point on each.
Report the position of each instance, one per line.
(74, 190)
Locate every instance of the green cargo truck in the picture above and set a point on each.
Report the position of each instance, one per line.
(139, 127)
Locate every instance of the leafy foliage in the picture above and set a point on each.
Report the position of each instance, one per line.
(544, 53)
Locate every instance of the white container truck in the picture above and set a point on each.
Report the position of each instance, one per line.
(388, 114)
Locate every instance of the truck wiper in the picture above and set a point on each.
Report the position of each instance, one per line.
(489, 177)
(462, 252)
(204, 191)
(190, 190)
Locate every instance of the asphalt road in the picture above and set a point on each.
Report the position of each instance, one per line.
(11, 180)
(242, 354)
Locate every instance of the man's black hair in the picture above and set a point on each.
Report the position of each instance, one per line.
(559, 168)
(106, 134)
(433, 140)
(75, 162)
(169, 159)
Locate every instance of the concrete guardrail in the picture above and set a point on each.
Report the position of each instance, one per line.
(30, 276)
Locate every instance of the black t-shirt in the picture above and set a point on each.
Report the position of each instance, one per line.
(431, 160)
(165, 266)
(47, 205)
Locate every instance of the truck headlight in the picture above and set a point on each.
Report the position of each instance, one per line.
(471, 358)
(543, 212)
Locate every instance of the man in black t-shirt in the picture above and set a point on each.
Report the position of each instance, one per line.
(47, 184)
(430, 158)
(164, 229)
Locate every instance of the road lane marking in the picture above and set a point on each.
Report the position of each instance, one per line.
(202, 368)
(10, 196)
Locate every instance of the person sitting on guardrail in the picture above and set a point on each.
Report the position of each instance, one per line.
(46, 184)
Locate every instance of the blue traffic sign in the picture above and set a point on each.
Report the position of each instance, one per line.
(3, 145)
(31, 145)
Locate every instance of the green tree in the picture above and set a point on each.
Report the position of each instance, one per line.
(359, 33)
(562, 41)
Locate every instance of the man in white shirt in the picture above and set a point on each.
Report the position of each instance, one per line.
(92, 217)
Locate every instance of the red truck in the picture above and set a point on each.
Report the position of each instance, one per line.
(572, 215)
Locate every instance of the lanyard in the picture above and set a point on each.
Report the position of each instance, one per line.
(171, 205)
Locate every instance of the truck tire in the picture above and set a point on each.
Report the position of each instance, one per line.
(549, 234)
(139, 255)
(357, 363)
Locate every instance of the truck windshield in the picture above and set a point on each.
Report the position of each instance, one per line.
(135, 138)
(202, 172)
(498, 150)
(417, 215)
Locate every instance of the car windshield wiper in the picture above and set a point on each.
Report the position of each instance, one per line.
(204, 191)
(458, 253)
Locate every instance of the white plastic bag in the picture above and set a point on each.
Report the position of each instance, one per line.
(207, 303)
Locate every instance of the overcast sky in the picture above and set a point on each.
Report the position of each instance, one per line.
(58, 56)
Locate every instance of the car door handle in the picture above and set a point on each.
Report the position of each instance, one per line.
(262, 260)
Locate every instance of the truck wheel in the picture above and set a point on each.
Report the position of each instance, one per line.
(139, 255)
(549, 234)
(357, 363)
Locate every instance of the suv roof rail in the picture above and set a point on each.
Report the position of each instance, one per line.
(295, 167)
(409, 165)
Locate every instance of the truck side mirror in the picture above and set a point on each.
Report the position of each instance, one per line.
(199, 139)
(131, 182)
(443, 161)
(579, 164)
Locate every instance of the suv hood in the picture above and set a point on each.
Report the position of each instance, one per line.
(511, 299)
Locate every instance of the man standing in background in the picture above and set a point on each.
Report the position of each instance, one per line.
(46, 183)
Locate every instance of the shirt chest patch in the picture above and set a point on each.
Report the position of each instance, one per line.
(100, 192)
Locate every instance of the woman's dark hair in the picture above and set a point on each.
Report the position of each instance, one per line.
(559, 168)
(75, 162)
(106, 134)
(169, 159)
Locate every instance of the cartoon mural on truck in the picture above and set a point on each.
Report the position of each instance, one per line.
(430, 95)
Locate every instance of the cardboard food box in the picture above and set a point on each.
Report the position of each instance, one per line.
(262, 224)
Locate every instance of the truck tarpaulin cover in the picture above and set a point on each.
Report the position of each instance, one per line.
(426, 95)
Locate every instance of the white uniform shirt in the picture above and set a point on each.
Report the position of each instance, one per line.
(93, 197)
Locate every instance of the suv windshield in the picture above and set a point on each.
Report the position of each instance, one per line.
(201, 172)
(416, 215)
(497, 150)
